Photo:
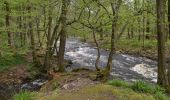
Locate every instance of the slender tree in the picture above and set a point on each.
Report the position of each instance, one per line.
(161, 42)
(63, 35)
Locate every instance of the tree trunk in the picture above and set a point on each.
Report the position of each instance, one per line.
(98, 52)
(63, 35)
(30, 32)
(161, 42)
(47, 56)
(115, 11)
(169, 17)
(7, 19)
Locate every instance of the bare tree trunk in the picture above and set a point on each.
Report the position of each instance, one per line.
(161, 42)
(98, 52)
(7, 19)
(47, 56)
(63, 35)
(38, 32)
(139, 29)
(168, 75)
(143, 36)
(169, 17)
(128, 33)
(115, 11)
(30, 32)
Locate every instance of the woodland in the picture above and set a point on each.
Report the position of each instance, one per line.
(84, 49)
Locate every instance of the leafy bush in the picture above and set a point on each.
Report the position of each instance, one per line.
(9, 60)
(157, 88)
(160, 96)
(147, 88)
(118, 83)
(25, 96)
(142, 86)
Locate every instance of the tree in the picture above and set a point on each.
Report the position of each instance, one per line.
(115, 11)
(161, 42)
(7, 18)
(63, 35)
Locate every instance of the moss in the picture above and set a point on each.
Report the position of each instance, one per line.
(129, 94)
(98, 92)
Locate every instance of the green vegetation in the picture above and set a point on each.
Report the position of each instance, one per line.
(25, 96)
(142, 87)
(41, 27)
(119, 83)
(10, 60)
(118, 89)
(10, 57)
(99, 92)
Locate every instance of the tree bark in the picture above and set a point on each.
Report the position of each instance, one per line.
(115, 10)
(161, 42)
(47, 56)
(7, 19)
(63, 35)
(169, 17)
(32, 38)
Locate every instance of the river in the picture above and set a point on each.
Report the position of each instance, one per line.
(126, 67)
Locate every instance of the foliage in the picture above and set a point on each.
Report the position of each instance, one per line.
(25, 95)
(118, 83)
(98, 92)
(9, 60)
(161, 96)
(142, 87)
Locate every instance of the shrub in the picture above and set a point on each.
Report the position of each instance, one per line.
(25, 95)
(9, 60)
(160, 96)
(118, 83)
(142, 86)
(159, 89)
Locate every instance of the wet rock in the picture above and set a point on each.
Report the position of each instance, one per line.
(69, 86)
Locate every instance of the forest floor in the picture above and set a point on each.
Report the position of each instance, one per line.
(76, 85)
(79, 86)
(15, 74)
(18, 72)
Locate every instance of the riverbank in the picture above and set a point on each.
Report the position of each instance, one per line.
(78, 85)
(83, 55)
(19, 76)
(133, 47)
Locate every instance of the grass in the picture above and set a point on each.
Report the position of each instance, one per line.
(25, 95)
(8, 61)
(142, 87)
(119, 83)
(112, 90)
(98, 92)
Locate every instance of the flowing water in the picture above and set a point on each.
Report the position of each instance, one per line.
(127, 67)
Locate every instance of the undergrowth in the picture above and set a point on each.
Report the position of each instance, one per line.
(8, 61)
(142, 87)
(25, 95)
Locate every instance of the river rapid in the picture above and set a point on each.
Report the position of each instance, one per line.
(83, 55)
(126, 67)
